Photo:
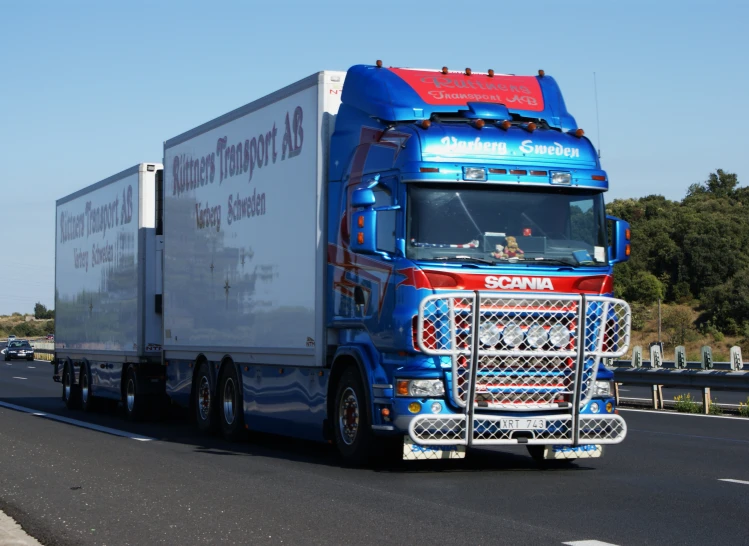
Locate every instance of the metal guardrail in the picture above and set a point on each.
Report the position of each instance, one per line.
(704, 374)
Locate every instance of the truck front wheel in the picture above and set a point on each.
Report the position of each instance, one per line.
(351, 421)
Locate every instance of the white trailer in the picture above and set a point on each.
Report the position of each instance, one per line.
(108, 290)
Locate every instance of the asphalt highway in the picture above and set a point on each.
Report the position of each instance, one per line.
(163, 483)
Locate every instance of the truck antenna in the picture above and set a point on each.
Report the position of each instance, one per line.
(598, 123)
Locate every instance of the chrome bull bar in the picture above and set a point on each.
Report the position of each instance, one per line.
(513, 353)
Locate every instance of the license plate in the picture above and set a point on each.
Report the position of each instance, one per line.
(522, 424)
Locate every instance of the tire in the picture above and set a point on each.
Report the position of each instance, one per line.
(205, 407)
(352, 429)
(132, 400)
(70, 392)
(87, 398)
(230, 408)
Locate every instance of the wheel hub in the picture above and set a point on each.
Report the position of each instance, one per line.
(348, 412)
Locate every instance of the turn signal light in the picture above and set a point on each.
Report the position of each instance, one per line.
(599, 177)
(627, 234)
(627, 250)
(360, 238)
(401, 388)
(361, 221)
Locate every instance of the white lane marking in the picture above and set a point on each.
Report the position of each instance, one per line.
(20, 378)
(733, 481)
(31, 367)
(77, 423)
(683, 414)
(588, 543)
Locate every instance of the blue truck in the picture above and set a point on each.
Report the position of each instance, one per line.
(383, 257)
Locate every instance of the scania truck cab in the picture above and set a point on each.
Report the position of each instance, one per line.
(470, 267)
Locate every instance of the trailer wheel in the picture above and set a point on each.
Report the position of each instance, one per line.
(133, 401)
(87, 399)
(70, 392)
(205, 414)
(351, 420)
(231, 409)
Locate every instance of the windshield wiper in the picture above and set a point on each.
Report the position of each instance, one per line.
(562, 261)
(464, 259)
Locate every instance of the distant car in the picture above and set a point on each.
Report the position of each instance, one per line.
(19, 349)
(11, 338)
(50, 337)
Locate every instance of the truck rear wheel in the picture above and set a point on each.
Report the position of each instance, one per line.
(351, 421)
(205, 414)
(70, 392)
(231, 409)
(133, 401)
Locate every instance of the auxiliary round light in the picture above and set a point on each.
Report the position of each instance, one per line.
(414, 407)
(609, 407)
(512, 335)
(489, 334)
(594, 407)
(536, 336)
(559, 336)
(436, 407)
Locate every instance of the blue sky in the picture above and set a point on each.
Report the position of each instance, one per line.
(90, 88)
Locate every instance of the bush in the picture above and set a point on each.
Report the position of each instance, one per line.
(715, 409)
(685, 404)
(744, 409)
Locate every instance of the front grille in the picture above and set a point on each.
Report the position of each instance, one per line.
(532, 353)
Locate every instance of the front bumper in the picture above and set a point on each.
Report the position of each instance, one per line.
(488, 430)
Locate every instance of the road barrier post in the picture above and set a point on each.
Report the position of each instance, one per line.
(707, 358)
(680, 357)
(637, 356)
(737, 362)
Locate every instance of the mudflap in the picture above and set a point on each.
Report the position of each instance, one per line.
(567, 452)
(415, 452)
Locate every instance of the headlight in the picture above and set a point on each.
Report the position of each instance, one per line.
(420, 387)
(559, 336)
(536, 336)
(489, 334)
(512, 335)
(603, 389)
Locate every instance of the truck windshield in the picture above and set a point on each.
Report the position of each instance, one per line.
(475, 224)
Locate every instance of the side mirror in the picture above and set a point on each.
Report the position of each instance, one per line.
(363, 197)
(619, 249)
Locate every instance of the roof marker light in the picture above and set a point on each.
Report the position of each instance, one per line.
(518, 172)
(444, 70)
(530, 127)
(468, 71)
(379, 63)
(426, 124)
(541, 73)
(506, 124)
(479, 123)
(429, 170)
(539, 173)
(491, 73)
(579, 133)
(498, 171)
